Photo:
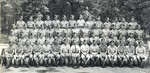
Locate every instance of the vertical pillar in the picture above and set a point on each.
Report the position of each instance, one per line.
(0, 19)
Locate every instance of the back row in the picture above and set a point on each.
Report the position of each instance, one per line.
(38, 23)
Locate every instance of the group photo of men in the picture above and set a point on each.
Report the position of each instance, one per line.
(107, 34)
(62, 41)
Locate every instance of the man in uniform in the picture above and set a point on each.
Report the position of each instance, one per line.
(84, 51)
(72, 22)
(131, 54)
(142, 55)
(99, 23)
(116, 23)
(39, 23)
(48, 22)
(112, 53)
(25, 32)
(107, 24)
(94, 51)
(124, 23)
(20, 24)
(30, 23)
(22, 57)
(41, 58)
(51, 58)
(56, 22)
(89, 23)
(64, 23)
(81, 21)
(132, 25)
(103, 56)
(121, 53)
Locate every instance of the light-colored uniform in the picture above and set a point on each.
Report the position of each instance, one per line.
(89, 24)
(30, 24)
(72, 23)
(48, 24)
(56, 23)
(64, 23)
(112, 53)
(20, 24)
(141, 53)
(81, 22)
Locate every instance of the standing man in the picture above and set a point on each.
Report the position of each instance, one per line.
(99, 23)
(72, 22)
(47, 22)
(80, 21)
(64, 23)
(30, 23)
(56, 22)
(20, 24)
(39, 23)
(107, 24)
(89, 23)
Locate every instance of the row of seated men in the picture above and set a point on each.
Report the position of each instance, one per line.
(74, 33)
(80, 41)
(72, 23)
(79, 55)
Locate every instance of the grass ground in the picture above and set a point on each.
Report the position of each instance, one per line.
(77, 70)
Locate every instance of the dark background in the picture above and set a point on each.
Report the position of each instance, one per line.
(140, 9)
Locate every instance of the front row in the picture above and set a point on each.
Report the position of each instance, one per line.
(113, 56)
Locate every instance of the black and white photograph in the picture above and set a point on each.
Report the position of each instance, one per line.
(74, 36)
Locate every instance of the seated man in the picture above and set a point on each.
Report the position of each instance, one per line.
(7, 58)
(94, 52)
(142, 54)
(51, 57)
(41, 58)
(65, 53)
(15, 60)
(103, 52)
(112, 53)
(130, 54)
(84, 51)
(75, 50)
(121, 53)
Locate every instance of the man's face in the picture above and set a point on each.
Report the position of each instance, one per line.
(123, 19)
(81, 17)
(72, 17)
(64, 18)
(48, 18)
(132, 19)
(56, 17)
(31, 18)
(107, 19)
(21, 18)
(112, 44)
